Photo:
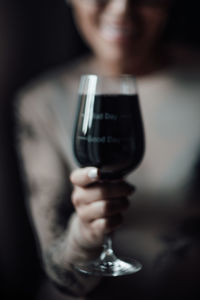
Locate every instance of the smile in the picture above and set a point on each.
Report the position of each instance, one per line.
(116, 33)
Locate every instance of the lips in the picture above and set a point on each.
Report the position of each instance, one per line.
(116, 33)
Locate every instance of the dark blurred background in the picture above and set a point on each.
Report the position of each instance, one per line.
(35, 36)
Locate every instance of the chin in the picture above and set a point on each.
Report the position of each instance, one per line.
(117, 55)
(122, 60)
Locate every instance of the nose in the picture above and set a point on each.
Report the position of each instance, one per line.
(119, 7)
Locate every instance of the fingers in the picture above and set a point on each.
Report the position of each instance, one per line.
(91, 235)
(99, 205)
(102, 209)
(84, 176)
(100, 227)
(100, 191)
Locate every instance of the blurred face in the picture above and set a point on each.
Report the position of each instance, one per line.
(122, 32)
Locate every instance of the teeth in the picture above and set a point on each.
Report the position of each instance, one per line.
(113, 32)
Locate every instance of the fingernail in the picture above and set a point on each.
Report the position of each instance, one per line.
(93, 173)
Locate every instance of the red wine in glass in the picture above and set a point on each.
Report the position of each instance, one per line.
(109, 135)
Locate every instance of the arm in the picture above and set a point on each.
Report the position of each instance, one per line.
(48, 200)
(64, 240)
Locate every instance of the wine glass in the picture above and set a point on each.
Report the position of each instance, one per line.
(109, 135)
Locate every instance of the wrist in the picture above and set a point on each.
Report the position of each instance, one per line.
(78, 239)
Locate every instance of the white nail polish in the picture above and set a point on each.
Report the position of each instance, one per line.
(93, 173)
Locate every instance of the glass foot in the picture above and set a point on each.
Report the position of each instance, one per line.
(117, 267)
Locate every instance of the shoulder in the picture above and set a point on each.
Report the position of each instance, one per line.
(37, 94)
(187, 76)
(180, 80)
(50, 88)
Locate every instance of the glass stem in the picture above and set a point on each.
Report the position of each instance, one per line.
(107, 256)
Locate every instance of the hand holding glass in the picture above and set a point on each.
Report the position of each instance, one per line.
(109, 135)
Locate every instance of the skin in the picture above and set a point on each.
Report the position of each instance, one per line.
(99, 206)
(123, 36)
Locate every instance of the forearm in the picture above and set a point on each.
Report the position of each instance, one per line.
(61, 255)
(46, 175)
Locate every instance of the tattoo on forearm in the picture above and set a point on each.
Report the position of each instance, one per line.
(64, 279)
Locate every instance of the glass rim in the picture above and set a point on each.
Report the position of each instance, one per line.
(93, 83)
(108, 76)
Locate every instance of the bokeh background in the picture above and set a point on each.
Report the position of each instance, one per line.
(35, 36)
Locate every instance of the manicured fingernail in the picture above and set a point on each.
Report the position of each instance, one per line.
(93, 173)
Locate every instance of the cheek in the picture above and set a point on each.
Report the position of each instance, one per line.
(154, 21)
(86, 20)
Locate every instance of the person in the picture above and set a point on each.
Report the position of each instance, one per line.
(71, 209)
